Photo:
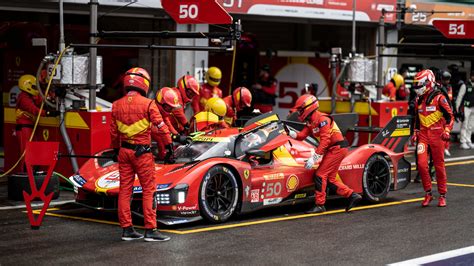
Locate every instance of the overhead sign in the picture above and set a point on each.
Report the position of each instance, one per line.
(196, 12)
(367, 10)
(450, 11)
(455, 29)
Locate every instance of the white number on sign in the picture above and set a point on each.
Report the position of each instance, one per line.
(188, 11)
(13, 97)
(455, 29)
(230, 3)
(421, 17)
(273, 189)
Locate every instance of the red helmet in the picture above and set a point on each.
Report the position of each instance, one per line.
(424, 82)
(242, 98)
(305, 106)
(137, 79)
(168, 99)
(188, 87)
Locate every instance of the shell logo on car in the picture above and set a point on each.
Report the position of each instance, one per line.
(292, 183)
(108, 181)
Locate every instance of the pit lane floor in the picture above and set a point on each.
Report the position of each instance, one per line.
(397, 230)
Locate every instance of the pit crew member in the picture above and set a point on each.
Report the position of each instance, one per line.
(187, 88)
(212, 117)
(332, 149)
(240, 99)
(465, 107)
(264, 90)
(390, 90)
(433, 125)
(27, 109)
(210, 89)
(133, 117)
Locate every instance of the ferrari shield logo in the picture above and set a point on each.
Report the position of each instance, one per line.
(246, 174)
(45, 134)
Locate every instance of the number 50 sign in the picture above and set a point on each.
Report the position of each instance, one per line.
(456, 29)
(196, 12)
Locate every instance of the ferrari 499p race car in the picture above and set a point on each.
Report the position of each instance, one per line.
(233, 171)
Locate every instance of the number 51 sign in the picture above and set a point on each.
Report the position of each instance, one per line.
(196, 12)
(455, 29)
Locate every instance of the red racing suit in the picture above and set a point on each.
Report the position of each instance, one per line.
(133, 119)
(163, 136)
(434, 118)
(205, 93)
(178, 117)
(332, 146)
(26, 112)
(206, 121)
(390, 91)
(231, 114)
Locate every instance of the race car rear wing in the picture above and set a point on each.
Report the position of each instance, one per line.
(395, 134)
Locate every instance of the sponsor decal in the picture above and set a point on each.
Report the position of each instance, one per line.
(385, 133)
(187, 208)
(254, 195)
(292, 183)
(394, 112)
(159, 187)
(45, 134)
(300, 196)
(276, 176)
(421, 148)
(247, 190)
(272, 201)
(315, 130)
(137, 189)
(324, 123)
(430, 108)
(351, 166)
(79, 180)
(188, 213)
(246, 174)
(109, 181)
(402, 170)
(176, 222)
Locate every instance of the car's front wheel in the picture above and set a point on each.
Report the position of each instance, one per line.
(219, 194)
(376, 179)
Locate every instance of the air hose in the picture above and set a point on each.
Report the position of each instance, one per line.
(39, 113)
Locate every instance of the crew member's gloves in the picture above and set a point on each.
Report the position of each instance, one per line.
(53, 113)
(292, 133)
(312, 160)
(414, 138)
(179, 139)
(115, 155)
(169, 154)
(445, 136)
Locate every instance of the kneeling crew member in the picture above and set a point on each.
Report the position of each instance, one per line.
(133, 117)
(433, 125)
(332, 148)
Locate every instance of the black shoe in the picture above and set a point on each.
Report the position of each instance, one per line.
(129, 234)
(353, 200)
(155, 235)
(316, 209)
(417, 179)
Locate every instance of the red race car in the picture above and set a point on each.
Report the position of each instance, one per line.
(232, 171)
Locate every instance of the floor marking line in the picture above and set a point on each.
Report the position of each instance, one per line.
(437, 257)
(456, 184)
(34, 205)
(220, 227)
(450, 164)
(95, 220)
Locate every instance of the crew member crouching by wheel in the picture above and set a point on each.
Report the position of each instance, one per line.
(433, 125)
(332, 148)
(211, 118)
(240, 99)
(133, 117)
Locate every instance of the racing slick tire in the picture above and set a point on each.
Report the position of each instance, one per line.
(19, 182)
(218, 194)
(376, 178)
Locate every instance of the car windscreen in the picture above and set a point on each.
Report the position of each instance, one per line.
(198, 151)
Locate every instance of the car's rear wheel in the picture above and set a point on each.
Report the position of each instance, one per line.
(376, 179)
(219, 194)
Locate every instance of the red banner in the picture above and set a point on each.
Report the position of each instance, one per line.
(367, 10)
(455, 29)
(196, 12)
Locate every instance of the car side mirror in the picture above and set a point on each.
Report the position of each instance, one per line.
(255, 152)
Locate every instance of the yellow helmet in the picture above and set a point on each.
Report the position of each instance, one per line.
(398, 80)
(217, 106)
(213, 76)
(27, 83)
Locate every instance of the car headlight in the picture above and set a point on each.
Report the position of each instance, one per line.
(176, 195)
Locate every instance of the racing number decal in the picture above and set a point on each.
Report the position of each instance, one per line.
(273, 190)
